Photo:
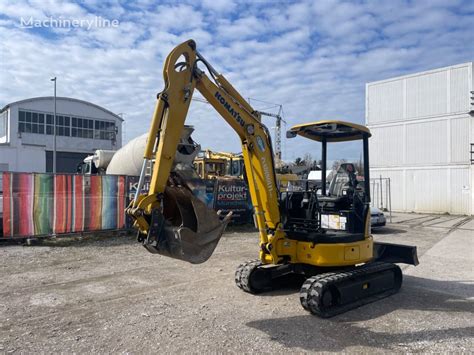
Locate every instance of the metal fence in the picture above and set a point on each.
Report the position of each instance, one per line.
(381, 194)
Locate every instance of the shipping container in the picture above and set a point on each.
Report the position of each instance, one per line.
(422, 138)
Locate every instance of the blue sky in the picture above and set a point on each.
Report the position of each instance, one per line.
(313, 57)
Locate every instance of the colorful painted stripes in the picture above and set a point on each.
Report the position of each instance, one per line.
(46, 204)
(43, 204)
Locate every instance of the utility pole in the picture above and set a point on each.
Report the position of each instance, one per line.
(54, 128)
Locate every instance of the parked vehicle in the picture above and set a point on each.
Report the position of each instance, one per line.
(377, 218)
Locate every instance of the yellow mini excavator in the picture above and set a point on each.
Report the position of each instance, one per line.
(321, 234)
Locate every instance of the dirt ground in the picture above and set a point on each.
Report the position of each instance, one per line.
(111, 295)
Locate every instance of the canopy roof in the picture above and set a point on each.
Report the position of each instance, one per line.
(332, 131)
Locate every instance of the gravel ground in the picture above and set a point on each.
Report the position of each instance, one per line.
(111, 295)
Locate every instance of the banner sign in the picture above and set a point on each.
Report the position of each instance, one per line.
(233, 195)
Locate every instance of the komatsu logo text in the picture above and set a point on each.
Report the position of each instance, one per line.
(229, 108)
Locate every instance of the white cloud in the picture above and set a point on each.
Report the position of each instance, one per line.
(312, 57)
(218, 5)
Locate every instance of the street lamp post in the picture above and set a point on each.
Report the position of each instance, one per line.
(54, 128)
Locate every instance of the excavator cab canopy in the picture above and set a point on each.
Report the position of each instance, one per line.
(331, 131)
(335, 131)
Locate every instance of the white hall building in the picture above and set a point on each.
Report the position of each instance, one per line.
(26, 133)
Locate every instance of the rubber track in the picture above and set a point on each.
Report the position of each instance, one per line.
(242, 275)
(312, 290)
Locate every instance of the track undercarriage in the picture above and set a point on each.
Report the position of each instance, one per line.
(324, 293)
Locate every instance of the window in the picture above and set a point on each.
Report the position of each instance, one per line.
(63, 125)
(41, 123)
(68, 126)
(104, 130)
(82, 127)
(3, 124)
(30, 122)
(49, 124)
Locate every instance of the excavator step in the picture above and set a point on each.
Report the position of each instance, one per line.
(332, 293)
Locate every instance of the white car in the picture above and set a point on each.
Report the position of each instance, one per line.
(377, 218)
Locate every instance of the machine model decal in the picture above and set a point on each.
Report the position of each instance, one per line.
(230, 109)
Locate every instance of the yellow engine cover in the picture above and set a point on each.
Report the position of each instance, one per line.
(340, 254)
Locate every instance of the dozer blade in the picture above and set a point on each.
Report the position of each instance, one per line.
(187, 229)
(395, 253)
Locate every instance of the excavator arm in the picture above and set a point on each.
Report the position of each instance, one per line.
(170, 220)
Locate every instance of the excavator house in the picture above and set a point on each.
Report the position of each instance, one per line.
(321, 234)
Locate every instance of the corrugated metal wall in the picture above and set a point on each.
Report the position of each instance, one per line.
(438, 190)
(422, 127)
(429, 94)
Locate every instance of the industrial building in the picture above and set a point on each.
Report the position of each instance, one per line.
(423, 139)
(27, 134)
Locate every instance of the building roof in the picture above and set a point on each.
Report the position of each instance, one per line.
(64, 99)
(411, 75)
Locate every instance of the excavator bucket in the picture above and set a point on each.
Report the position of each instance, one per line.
(185, 229)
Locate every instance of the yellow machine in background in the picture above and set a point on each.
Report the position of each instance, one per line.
(323, 235)
(211, 165)
(285, 180)
(217, 165)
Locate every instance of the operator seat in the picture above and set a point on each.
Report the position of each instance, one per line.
(341, 182)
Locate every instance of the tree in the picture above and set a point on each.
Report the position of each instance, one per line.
(308, 160)
(337, 163)
(359, 166)
(299, 161)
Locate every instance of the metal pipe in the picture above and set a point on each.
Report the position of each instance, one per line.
(373, 190)
(141, 182)
(323, 166)
(366, 168)
(390, 199)
(54, 128)
(381, 193)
